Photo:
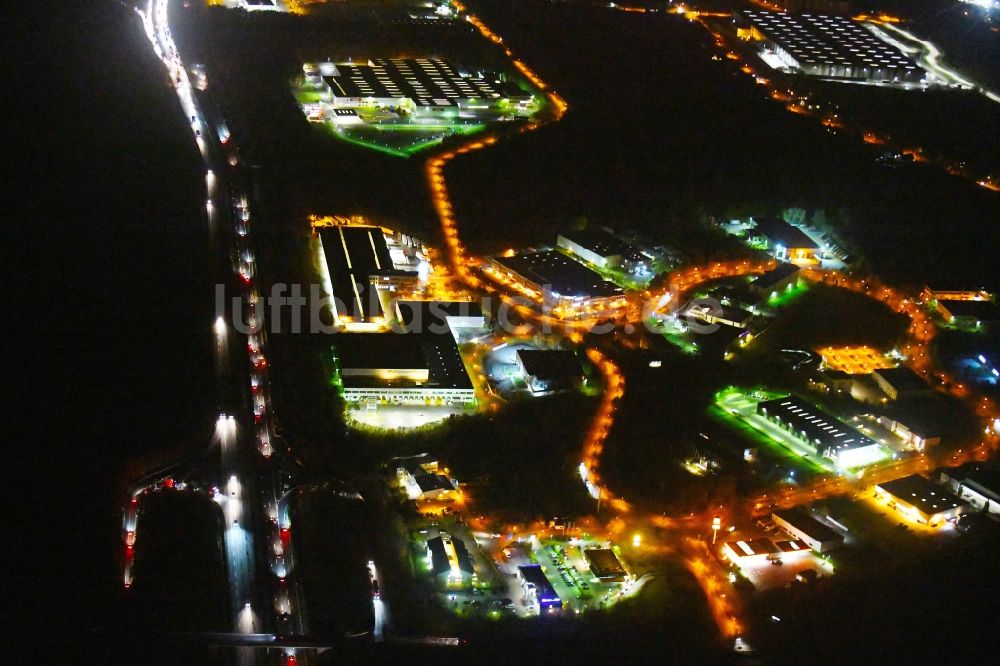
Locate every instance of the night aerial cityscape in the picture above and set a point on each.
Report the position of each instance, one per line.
(504, 331)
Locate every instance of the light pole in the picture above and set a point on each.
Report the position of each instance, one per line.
(716, 524)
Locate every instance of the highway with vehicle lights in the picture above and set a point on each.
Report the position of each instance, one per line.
(251, 464)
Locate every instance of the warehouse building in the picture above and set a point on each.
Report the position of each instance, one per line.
(930, 294)
(822, 433)
(440, 316)
(979, 486)
(900, 382)
(605, 565)
(424, 479)
(569, 287)
(414, 85)
(450, 560)
(405, 368)
(750, 551)
(549, 370)
(916, 432)
(714, 313)
(826, 46)
(785, 242)
(604, 250)
(921, 500)
(359, 270)
(801, 525)
(259, 5)
(774, 282)
(968, 313)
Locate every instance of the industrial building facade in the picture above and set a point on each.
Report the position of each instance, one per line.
(604, 250)
(407, 368)
(359, 272)
(801, 525)
(569, 287)
(821, 432)
(826, 46)
(413, 84)
(921, 500)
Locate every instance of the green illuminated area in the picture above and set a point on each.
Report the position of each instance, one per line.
(401, 140)
(737, 409)
(403, 130)
(620, 277)
(788, 295)
(675, 336)
(493, 590)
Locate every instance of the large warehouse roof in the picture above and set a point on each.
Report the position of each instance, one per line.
(420, 315)
(918, 491)
(831, 434)
(353, 254)
(801, 520)
(358, 353)
(827, 40)
(563, 276)
(779, 232)
(601, 243)
(551, 364)
(426, 81)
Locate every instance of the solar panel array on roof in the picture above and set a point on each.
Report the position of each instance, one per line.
(426, 81)
(814, 40)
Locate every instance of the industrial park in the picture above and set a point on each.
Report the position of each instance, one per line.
(562, 331)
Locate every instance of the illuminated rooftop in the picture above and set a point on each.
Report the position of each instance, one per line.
(827, 40)
(861, 360)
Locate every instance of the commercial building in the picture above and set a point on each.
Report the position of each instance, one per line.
(979, 486)
(424, 479)
(929, 294)
(604, 250)
(784, 241)
(776, 281)
(259, 5)
(900, 382)
(750, 551)
(820, 432)
(421, 86)
(537, 588)
(837, 381)
(547, 370)
(569, 287)
(440, 316)
(827, 46)
(920, 499)
(861, 360)
(916, 433)
(360, 273)
(401, 368)
(712, 313)
(450, 560)
(801, 525)
(605, 565)
(968, 313)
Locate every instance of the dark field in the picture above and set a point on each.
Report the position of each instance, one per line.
(107, 250)
(659, 134)
(180, 574)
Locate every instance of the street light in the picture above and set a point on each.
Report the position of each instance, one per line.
(716, 524)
